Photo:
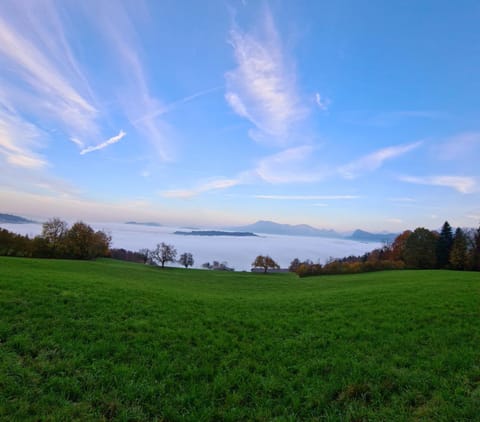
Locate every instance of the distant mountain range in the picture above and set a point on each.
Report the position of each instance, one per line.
(214, 233)
(262, 226)
(14, 219)
(270, 227)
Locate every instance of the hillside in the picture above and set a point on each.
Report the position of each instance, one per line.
(363, 236)
(109, 340)
(14, 219)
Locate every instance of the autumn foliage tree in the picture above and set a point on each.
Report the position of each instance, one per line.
(458, 254)
(265, 262)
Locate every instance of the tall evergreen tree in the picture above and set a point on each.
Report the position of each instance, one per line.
(458, 254)
(444, 245)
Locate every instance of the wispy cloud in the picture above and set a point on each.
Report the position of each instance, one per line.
(394, 220)
(307, 197)
(262, 88)
(461, 184)
(217, 184)
(46, 78)
(375, 160)
(460, 146)
(322, 103)
(77, 142)
(116, 26)
(474, 216)
(18, 141)
(391, 118)
(291, 165)
(175, 104)
(110, 141)
(402, 199)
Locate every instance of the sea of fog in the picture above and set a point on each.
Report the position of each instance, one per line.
(238, 252)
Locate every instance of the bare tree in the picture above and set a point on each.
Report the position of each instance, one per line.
(164, 253)
(144, 253)
(186, 259)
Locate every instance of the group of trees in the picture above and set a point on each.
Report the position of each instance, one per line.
(57, 241)
(418, 249)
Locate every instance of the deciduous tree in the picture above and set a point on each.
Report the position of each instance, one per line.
(458, 254)
(264, 262)
(186, 259)
(420, 249)
(164, 253)
(54, 231)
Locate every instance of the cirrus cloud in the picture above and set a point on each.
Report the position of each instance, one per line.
(461, 184)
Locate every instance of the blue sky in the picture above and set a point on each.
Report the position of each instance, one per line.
(338, 114)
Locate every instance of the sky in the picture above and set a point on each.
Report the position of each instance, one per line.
(340, 114)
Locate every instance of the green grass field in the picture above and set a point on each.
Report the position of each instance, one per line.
(109, 340)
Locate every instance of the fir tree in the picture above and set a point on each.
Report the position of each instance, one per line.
(444, 246)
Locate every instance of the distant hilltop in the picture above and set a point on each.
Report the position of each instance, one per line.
(363, 236)
(14, 219)
(215, 233)
(270, 227)
(148, 223)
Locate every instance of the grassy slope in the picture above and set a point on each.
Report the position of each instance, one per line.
(111, 340)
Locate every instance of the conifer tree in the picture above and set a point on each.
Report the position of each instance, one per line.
(444, 245)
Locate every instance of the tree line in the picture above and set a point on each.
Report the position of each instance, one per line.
(418, 249)
(57, 240)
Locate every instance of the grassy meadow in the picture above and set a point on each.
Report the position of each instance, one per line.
(110, 340)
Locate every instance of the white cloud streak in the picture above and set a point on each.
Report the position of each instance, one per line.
(459, 147)
(322, 103)
(307, 197)
(292, 165)
(375, 160)
(18, 139)
(110, 141)
(262, 88)
(175, 104)
(217, 184)
(461, 184)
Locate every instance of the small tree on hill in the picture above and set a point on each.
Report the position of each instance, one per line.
(144, 253)
(264, 262)
(186, 259)
(164, 253)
